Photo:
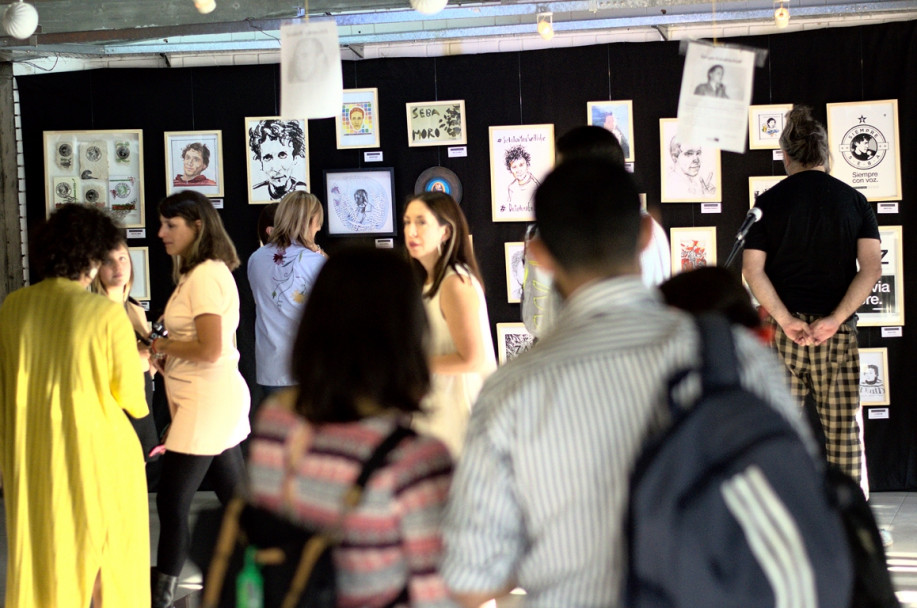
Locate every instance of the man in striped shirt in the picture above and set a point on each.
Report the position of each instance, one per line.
(540, 494)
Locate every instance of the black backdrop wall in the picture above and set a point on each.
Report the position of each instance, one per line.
(547, 86)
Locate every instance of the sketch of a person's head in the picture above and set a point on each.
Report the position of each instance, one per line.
(360, 198)
(308, 60)
(611, 123)
(195, 158)
(871, 374)
(277, 144)
(517, 162)
(715, 74)
(356, 116)
(860, 146)
(771, 122)
(686, 158)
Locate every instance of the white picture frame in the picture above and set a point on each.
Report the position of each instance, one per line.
(520, 158)
(690, 173)
(362, 103)
(616, 116)
(692, 248)
(765, 125)
(436, 123)
(874, 382)
(759, 184)
(204, 145)
(863, 140)
(884, 306)
(513, 339)
(140, 262)
(515, 270)
(278, 157)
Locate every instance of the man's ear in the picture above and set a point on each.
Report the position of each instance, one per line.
(539, 252)
(646, 232)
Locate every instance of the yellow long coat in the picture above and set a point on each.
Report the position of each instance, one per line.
(73, 472)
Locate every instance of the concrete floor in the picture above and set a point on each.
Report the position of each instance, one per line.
(895, 510)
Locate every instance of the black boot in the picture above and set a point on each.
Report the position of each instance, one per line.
(162, 587)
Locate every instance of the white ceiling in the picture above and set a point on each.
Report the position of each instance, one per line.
(171, 32)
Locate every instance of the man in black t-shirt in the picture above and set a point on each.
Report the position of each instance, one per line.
(800, 261)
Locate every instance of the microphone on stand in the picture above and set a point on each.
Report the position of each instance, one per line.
(754, 214)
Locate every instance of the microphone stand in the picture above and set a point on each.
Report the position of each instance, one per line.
(736, 248)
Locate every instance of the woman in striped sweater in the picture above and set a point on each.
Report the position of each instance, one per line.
(360, 364)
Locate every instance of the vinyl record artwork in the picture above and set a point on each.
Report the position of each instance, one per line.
(440, 179)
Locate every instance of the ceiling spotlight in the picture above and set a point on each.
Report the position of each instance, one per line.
(546, 25)
(428, 7)
(205, 6)
(781, 16)
(20, 20)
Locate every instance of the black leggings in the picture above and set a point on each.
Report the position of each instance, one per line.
(182, 475)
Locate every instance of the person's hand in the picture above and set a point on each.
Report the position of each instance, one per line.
(797, 330)
(822, 330)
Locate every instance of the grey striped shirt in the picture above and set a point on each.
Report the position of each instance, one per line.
(541, 491)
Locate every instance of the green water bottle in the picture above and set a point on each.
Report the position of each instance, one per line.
(249, 583)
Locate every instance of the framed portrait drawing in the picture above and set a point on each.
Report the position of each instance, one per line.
(140, 261)
(100, 168)
(692, 248)
(520, 157)
(874, 388)
(690, 171)
(358, 121)
(512, 340)
(436, 123)
(759, 184)
(361, 202)
(863, 138)
(515, 270)
(765, 124)
(278, 157)
(617, 117)
(194, 161)
(884, 306)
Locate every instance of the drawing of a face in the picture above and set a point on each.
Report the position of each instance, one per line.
(716, 75)
(771, 123)
(277, 162)
(688, 162)
(520, 169)
(861, 146)
(871, 374)
(193, 164)
(356, 119)
(360, 197)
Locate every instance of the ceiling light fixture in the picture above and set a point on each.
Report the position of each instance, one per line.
(782, 16)
(20, 20)
(545, 25)
(205, 6)
(428, 7)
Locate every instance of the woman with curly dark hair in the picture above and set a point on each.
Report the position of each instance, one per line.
(75, 489)
(208, 398)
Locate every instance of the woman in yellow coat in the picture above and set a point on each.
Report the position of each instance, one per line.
(77, 513)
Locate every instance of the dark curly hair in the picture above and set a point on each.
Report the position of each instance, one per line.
(287, 132)
(72, 240)
(362, 340)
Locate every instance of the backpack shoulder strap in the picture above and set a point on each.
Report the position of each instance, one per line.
(719, 361)
(375, 460)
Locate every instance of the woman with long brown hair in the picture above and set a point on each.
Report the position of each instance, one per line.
(436, 235)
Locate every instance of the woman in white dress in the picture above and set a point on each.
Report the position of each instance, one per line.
(462, 352)
(208, 397)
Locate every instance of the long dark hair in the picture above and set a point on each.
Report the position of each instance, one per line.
(211, 242)
(362, 339)
(456, 250)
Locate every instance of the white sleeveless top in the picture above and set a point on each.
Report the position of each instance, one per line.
(448, 405)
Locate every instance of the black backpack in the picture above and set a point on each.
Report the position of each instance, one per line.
(295, 563)
(729, 509)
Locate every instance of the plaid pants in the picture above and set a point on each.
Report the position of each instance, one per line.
(830, 372)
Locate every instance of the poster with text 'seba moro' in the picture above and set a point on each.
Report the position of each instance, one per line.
(863, 139)
(520, 158)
